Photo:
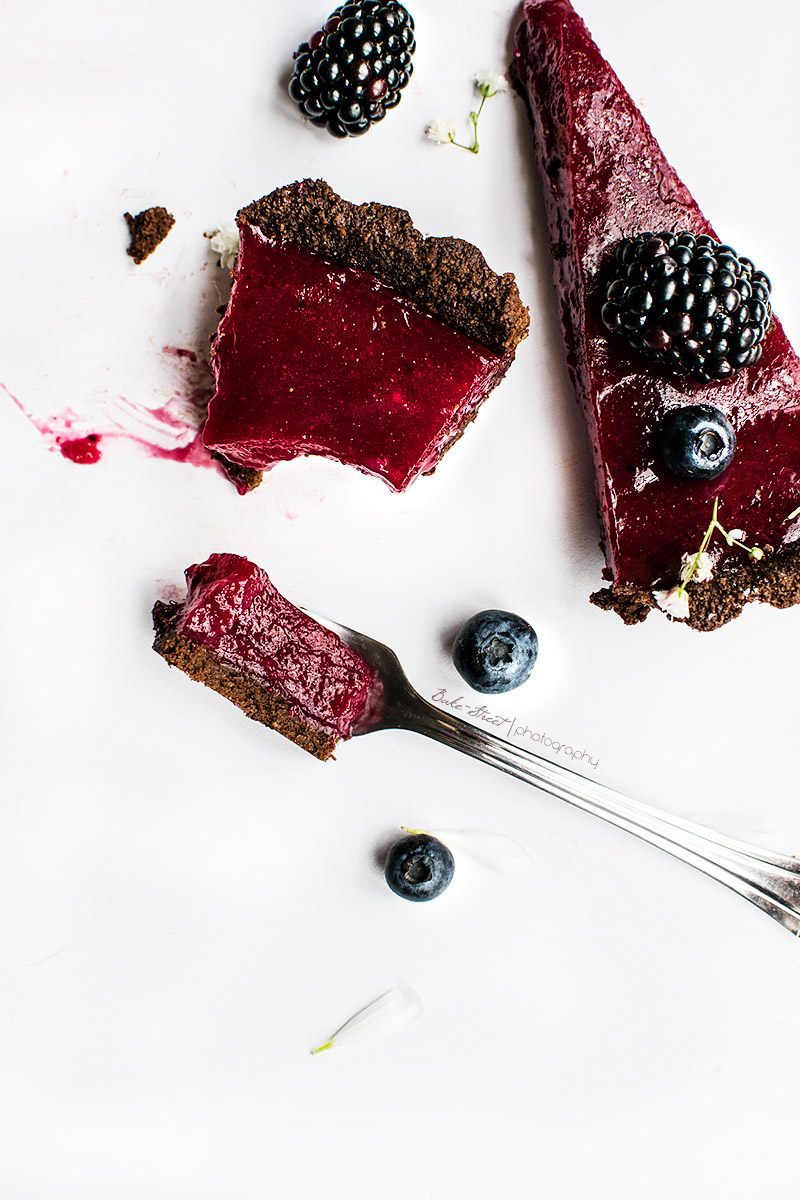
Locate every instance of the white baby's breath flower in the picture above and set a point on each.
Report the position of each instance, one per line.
(442, 130)
(696, 567)
(489, 83)
(393, 1010)
(225, 243)
(735, 535)
(756, 553)
(674, 602)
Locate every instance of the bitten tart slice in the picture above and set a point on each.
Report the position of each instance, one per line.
(350, 335)
(669, 335)
(237, 634)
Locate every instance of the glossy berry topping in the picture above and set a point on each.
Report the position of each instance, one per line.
(350, 72)
(697, 441)
(689, 302)
(419, 867)
(495, 651)
(302, 333)
(234, 611)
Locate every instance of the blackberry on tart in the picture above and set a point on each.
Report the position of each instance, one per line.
(688, 302)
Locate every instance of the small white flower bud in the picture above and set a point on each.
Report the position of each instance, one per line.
(675, 603)
(442, 130)
(489, 83)
(225, 243)
(696, 567)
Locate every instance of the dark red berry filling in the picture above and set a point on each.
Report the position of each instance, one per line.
(317, 358)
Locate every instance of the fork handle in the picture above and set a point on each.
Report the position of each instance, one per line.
(770, 881)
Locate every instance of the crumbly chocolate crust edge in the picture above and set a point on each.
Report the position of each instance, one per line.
(447, 277)
(255, 700)
(774, 580)
(244, 479)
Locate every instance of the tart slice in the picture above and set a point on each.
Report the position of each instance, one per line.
(235, 633)
(615, 206)
(351, 336)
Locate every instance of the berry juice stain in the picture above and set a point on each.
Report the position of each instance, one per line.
(180, 352)
(82, 450)
(172, 431)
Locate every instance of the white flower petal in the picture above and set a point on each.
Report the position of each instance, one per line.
(492, 849)
(442, 130)
(225, 243)
(491, 82)
(674, 602)
(696, 567)
(394, 1010)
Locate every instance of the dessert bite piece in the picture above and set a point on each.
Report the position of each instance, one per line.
(351, 336)
(658, 318)
(237, 634)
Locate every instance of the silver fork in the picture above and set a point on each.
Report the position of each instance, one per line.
(771, 881)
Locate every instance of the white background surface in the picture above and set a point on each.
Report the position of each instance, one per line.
(188, 903)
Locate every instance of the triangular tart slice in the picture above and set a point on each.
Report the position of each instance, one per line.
(605, 178)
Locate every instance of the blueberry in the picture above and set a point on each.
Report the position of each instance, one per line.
(697, 441)
(419, 867)
(495, 651)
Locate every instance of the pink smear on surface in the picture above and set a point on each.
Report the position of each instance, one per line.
(172, 430)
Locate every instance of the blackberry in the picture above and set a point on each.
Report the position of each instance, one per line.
(688, 302)
(353, 69)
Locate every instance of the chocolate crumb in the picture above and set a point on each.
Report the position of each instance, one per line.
(147, 229)
(631, 604)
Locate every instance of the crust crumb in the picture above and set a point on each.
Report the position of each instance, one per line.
(147, 230)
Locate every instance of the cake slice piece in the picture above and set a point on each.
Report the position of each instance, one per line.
(235, 633)
(351, 336)
(604, 179)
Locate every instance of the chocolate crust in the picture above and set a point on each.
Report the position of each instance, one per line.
(774, 580)
(244, 479)
(255, 700)
(446, 277)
